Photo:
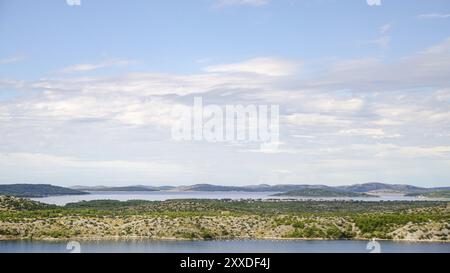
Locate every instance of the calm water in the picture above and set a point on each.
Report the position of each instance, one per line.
(165, 195)
(236, 246)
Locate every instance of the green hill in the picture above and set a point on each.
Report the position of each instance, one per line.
(11, 203)
(36, 190)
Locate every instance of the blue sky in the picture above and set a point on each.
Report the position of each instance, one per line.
(85, 91)
(172, 35)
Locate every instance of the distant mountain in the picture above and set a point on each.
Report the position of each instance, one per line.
(371, 189)
(209, 187)
(375, 188)
(36, 190)
(253, 188)
(322, 192)
(124, 188)
(288, 187)
(382, 188)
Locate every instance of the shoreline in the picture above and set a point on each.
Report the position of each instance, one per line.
(200, 220)
(168, 239)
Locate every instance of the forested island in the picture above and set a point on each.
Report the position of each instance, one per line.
(225, 219)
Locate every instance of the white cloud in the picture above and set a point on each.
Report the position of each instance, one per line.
(385, 28)
(336, 105)
(49, 161)
(94, 66)
(312, 119)
(149, 84)
(429, 67)
(46, 168)
(398, 114)
(376, 133)
(265, 66)
(397, 151)
(384, 40)
(364, 100)
(434, 16)
(443, 95)
(12, 59)
(120, 109)
(373, 2)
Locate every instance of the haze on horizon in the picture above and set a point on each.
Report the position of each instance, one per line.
(86, 92)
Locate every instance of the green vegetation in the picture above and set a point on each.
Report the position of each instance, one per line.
(14, 203)
(432, 194)
(225, 219)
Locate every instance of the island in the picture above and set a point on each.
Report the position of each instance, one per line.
(37, 190)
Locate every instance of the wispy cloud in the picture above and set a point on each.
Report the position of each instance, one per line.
(383, 41)
(94, 66)
(263, 66)
(385, 28)
(12, 59)
(38, 164)
(373, 2)
(434, 16)
(376, 133)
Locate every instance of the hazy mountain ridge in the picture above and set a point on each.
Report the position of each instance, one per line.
(365, 188)
(122, 188)
(375, 188)
(322, 192)
(250, 188)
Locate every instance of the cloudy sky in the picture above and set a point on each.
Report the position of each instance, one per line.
(86, 92)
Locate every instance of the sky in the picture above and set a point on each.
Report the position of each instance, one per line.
(87, 91)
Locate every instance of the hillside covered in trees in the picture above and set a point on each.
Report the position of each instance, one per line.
(225, 219)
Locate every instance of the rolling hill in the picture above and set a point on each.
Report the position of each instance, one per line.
(252, 188)
(36, 190)
(123, 188)
(376, 187)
